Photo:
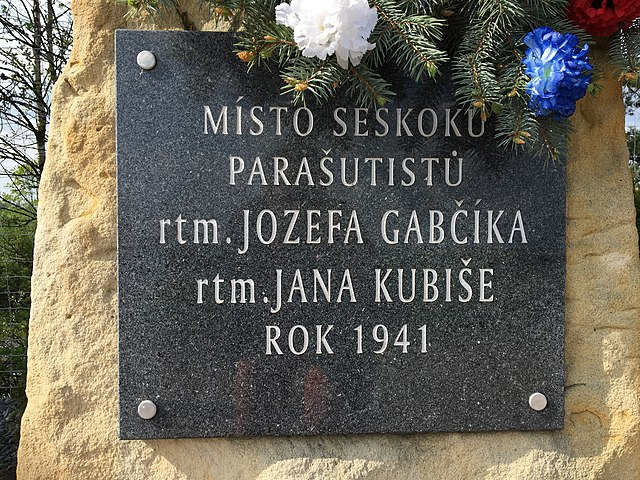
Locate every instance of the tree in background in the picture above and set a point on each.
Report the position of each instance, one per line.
(35, 38)
(16, 253)
(632, 104)
(632, 96)
(633, 142)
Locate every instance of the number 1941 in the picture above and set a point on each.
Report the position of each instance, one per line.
(382, 339)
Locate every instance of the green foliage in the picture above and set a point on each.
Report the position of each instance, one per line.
(480, 41)
(636, 196)
(16, 253)
(311, 75)
(631, 94)
(408, 37)
(624, 50)
(489, 73)
(633, 142)
(407, 34)
(35, 37)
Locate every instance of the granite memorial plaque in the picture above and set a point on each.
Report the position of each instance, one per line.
(293, 270)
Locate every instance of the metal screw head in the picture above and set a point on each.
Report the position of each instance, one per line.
(147, 409)
(537, 401)
(146, 60)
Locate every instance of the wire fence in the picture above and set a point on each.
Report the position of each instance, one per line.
(16, 250)
(633, 142)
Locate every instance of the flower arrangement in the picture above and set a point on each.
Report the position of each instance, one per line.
(604, 17)
(524, 63)
(557, 71)
(321, 29)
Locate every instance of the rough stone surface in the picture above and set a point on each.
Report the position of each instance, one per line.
(70, 426)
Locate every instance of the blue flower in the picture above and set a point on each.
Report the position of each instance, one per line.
(558, 71)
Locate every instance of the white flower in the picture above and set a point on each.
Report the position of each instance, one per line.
(324, 27)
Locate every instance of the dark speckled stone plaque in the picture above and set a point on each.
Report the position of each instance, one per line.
(330, 270)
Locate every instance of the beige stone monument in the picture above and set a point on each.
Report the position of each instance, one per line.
(70, 428)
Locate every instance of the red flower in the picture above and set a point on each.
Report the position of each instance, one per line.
(602, 18)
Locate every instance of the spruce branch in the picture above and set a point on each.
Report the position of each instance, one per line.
(552, 137)
(271, 43)
(368, 87)
(482, 39)
(409, 38)
(624, 52)
(516, 126)
(319, 78)
(489, 74)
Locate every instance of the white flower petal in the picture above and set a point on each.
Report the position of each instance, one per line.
(324, 27)
(286, 16)
(343, 62)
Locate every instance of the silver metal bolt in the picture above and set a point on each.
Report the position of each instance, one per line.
(147, 409)
(537, 401)
(146, 60)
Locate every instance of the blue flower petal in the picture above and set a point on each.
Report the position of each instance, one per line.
(558, 72)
